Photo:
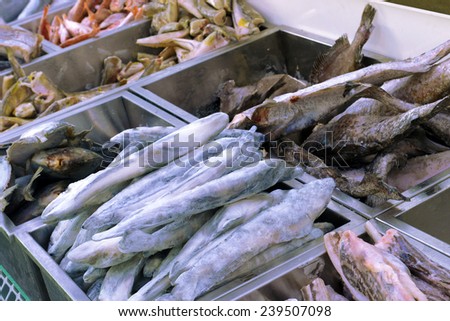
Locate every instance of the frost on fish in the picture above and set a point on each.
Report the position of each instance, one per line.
(92, 190)
(292, 218)
(218, 192)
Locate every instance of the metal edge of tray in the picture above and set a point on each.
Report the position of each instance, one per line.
(391, 218)
(309, 257)
(37, 15)
(371, 212)
(7, 227)
(289, 261)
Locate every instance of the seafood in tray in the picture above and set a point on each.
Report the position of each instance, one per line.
(169, 215)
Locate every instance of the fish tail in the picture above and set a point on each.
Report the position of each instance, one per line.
(365, 28)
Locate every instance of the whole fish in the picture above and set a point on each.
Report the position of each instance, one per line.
(226, 189)
(439, 125)
(191, 7)
(46, 92)
(354, 136)
(14, 96)
(287, 113)
(111, 68)
(245, 22)
(216, 16)
(24, 44)
(67, 162)
(40, 137)
(417, 262)
(152, 185)
(11, 122)
(141, 135)
(169, 236)
(224, 255)
(99, 254)
(193, 48)
(170, 14)
(146, 160)
(368, 184)
(64, 242)
(119, 280)
(60, 105)
(369, 272)
(344, 57)
(226, 218)
(272, 253)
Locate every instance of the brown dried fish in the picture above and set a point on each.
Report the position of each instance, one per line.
(356, 136)
(344, 57)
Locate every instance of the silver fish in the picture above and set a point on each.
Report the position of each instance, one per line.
(226, 254)
(119, 280)
(152, 185)
(99, 254)
(226, 218)
(137, 164)
(226, 189)
(64, 242)
(169, 236)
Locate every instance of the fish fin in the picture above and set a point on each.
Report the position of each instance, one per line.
(325, 59)
(28, 190)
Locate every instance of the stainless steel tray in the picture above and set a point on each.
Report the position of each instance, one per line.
(426, 218)
(285, 281)
(34, 238)
(106, 117)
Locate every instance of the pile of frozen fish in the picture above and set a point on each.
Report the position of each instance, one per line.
(368, 128)
(171, 220)
(41, 164)
(389, 270)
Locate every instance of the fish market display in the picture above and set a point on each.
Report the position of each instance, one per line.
(160, 225)
(24, 44)
(344, 57)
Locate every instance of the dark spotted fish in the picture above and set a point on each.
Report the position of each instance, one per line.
(356, 136)
(344, 57)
